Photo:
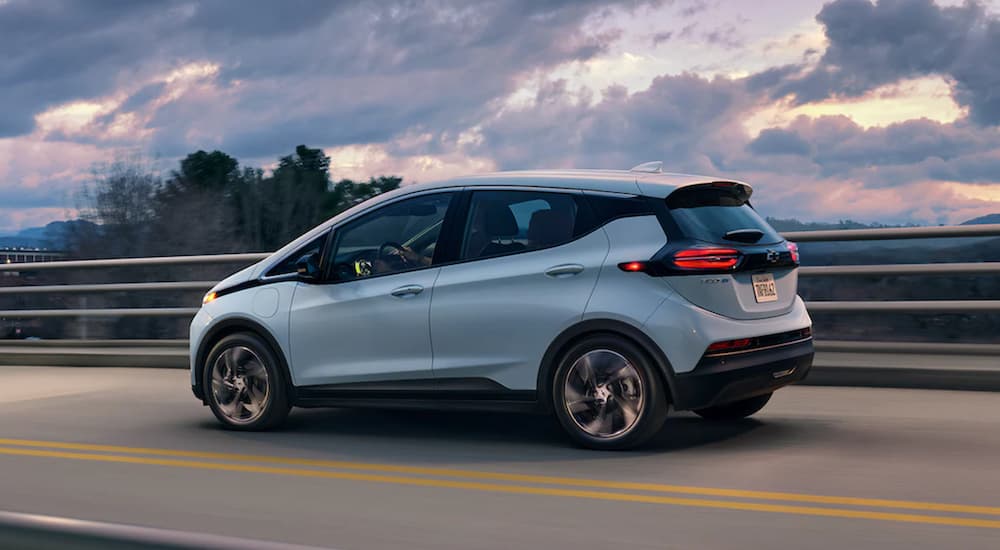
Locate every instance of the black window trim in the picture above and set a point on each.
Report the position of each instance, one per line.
(293, 275)
(340, 224)
(455, 224)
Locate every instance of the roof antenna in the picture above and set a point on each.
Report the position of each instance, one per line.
(655, 167)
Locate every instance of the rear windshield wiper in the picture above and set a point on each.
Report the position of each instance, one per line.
(744, 235)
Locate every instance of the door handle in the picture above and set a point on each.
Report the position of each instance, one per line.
(564, 270)
(408, 290)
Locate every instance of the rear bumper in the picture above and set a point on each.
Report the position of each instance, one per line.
(719, 380)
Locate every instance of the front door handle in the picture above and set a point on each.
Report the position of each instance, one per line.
(408, 290)
(565, 270)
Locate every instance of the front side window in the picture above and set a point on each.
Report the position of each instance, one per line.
(507, 222)
(398, 237)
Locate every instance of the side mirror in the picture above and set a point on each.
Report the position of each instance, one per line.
(308, 266)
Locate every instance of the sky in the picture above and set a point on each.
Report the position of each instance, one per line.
(884, 111)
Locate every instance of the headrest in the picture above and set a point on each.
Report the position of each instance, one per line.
(499, 221)
(549, 227)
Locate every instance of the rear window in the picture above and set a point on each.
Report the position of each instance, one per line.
(719, 214)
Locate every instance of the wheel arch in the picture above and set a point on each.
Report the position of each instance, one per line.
(591, 327)
(229, 326)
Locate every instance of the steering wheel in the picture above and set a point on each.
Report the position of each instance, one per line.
(393, 253)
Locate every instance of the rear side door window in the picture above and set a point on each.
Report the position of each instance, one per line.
(509, 222)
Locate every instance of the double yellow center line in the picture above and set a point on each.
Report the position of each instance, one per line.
(622, 491)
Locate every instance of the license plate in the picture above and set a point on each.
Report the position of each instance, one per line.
(763, 288)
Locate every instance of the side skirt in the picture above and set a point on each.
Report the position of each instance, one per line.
(479, 394)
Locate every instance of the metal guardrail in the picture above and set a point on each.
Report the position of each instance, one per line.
(30, 532)
(892, 233)
(137, 262)
(106, 287)
(922, 306)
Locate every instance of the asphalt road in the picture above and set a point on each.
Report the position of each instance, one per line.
(818, 468)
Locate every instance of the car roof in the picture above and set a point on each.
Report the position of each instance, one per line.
(632, 182)
(653, 184)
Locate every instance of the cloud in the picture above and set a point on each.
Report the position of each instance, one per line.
(431, 89)
(872, 44)
(778, 141)
(677, 119)
(405, 63)
(897, 154)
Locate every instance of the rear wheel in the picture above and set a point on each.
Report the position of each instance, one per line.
(244, 384)
(606, 394)
(736, 409)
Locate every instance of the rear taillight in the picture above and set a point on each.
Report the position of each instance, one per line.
(794, 250)
(706, 258)
(730, 345)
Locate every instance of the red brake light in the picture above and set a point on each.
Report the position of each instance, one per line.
(632, 266)
(706, 258)
(794, 249)
(730, 345)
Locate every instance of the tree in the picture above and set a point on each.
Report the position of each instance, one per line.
(298, 193)
(194, 213)
(346, 193)
(120, 204)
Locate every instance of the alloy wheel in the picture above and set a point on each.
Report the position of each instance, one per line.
(603, 393)
(240, 385)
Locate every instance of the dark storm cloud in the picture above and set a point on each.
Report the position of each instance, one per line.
(777, 141)
(694, 125)
(345, 67)
(142, 97)
(674, 120)
(898, 154)
(54, 52)
(871, 45)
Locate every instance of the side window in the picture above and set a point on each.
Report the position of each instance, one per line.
(398, 237)
(607, 208)
(505, 222)
(314, 247)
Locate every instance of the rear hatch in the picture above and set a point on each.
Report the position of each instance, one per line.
(722, 255)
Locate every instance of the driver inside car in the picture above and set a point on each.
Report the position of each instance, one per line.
(393, 257)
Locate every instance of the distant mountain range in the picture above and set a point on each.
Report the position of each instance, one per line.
(52, 236)
(981, 220)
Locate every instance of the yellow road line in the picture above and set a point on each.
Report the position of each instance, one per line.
(517, 489)
(522, 478)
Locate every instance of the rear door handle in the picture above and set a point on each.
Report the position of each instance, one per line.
(564, 270)
(408, 290)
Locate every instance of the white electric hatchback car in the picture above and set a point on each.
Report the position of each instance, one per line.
(604, 297)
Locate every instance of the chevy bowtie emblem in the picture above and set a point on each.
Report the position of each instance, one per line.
(772, 256)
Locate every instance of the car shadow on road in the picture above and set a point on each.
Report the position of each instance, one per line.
(481, 436)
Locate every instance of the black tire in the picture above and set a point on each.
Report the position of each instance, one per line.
(269, 408)
(647, 414)
(735, 410)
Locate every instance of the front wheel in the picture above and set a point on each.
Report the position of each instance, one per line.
(735, 410)
(606, 394)
(244, 384)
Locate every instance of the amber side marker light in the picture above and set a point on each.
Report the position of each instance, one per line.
(632, 267)
(210, 297)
